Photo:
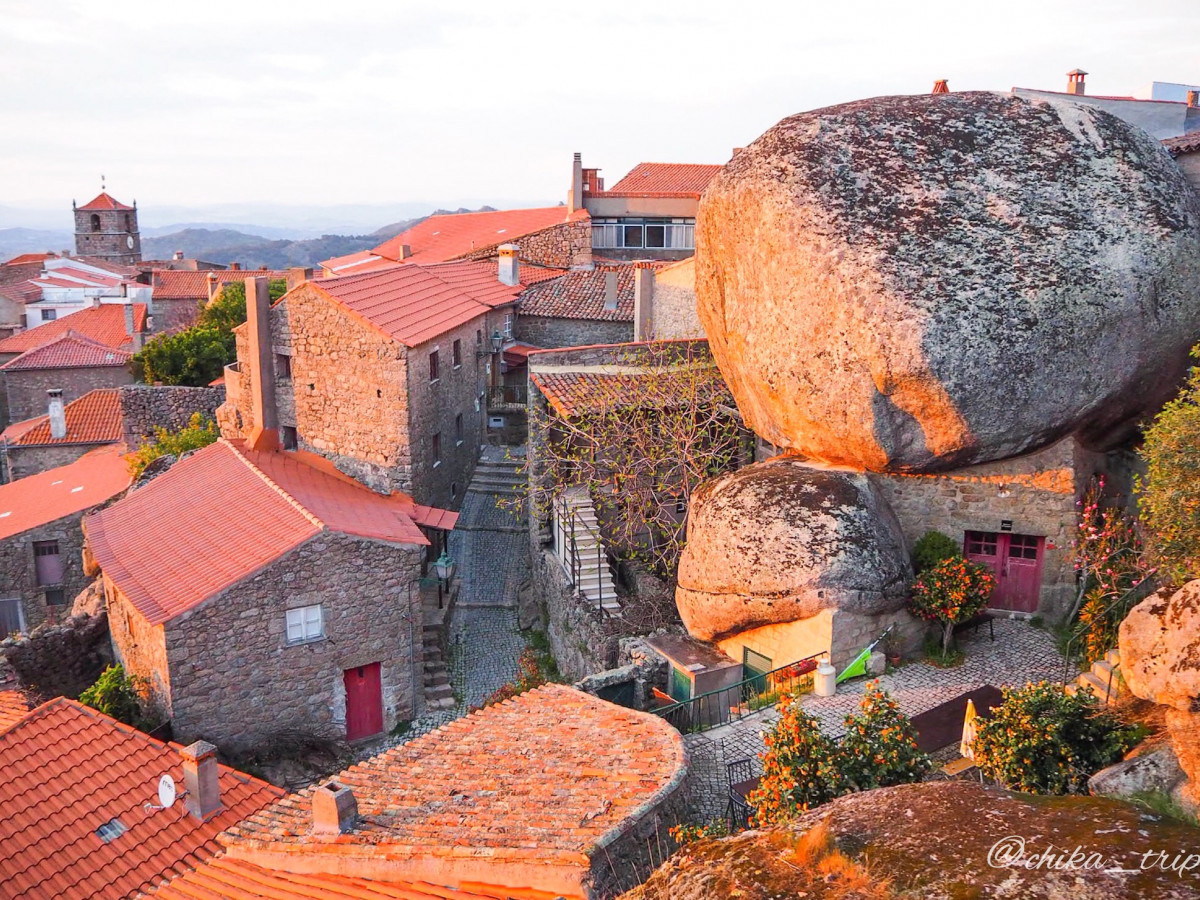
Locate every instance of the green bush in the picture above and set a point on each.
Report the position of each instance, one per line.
(193, 357)
(879, 748)
(199, 432)
(1043, 740)
(933, 548)
(951, 592)
(116, 694)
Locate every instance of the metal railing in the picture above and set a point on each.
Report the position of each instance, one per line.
(504, 396)
(728, 704)
(1071, 652)
(568, 526)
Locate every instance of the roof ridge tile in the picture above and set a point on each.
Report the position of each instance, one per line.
(271, 483)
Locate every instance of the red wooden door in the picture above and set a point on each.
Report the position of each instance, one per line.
(364, 702)
(1015, 560)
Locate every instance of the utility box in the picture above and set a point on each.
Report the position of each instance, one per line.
(698, 669)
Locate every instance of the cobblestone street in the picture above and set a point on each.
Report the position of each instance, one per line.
(1020, 654)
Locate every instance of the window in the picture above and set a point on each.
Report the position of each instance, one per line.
(453, 490)
(456, 354)
(95, 222)
(435, 443)
(981, 543)
(47, 563)
(49, 315)
(1023, 546)
(479, 336)
(289, 437)
(508, 325)
(305, 623)
(635, 234)
(111, 830)
(55, 597)
(458, 430)
(433, 365)
(283, 366)
(12, 620)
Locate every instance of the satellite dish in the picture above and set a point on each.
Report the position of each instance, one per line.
(166, 792)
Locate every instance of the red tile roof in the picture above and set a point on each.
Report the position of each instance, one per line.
(184, 284)
(481, 280)
(73, 277)
(224, 513)
(102, 202)
(70, 350)
(354, 263)
(1185, 143)
(68, 770)
(657, 179)
(26, 258)
(94, 418)
(13, 708)
(451, 236)
(47, 496)
(104, 323)
(580, 295)
(234, 879)
(575, 393)
(547, 777)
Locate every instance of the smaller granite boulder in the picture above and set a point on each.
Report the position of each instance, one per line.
(780, 541)
(1160, 648)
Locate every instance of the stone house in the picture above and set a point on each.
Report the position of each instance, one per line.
(179, 294)
(63, 435)
(554, 793)
(387, 374)
(85, 821)
(41, 569)
(261, 591)
(1186, 152)
(106, 323)
(71, 364)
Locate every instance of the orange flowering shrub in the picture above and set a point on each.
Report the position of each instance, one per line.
(951, 592)
(880, 748)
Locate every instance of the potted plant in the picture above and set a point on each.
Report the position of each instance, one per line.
(891, 650)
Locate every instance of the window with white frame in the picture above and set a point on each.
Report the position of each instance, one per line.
(508, 325)
(305, 623)
(49, 315)
(639, 234)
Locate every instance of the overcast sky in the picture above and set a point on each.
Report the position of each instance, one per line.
(313, 104)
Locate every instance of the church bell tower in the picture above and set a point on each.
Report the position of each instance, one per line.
(108, 230)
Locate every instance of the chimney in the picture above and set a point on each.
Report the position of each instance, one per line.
(405, 252)
(1075, 83)
(131, 329)
(940, 87)
(334, 809)
(265, 434)
(203, 797)
(178, 254)
(235, 266)
(510, 267)
(1193, 99)
(575, 195)
(297, 276)
(58, 417)
(643, 300)
(211, 278)
(95, 303)
(610, 289)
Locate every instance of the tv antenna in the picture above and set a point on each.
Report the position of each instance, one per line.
(167, 795)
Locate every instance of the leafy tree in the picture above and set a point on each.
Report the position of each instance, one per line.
(933, 548)
(199, 432)
(799, 767)
(951, 592)
(228, 308)
(1045, 741)
(879, 748)
(1169, 502)
(115, 694)
(193, 357)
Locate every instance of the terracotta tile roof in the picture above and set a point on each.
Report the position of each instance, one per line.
(70, 350)
(446, 237)
(47, 496)
(104, 323)
(101, 202)
(185, 284)
(481, 280)
(224, 513)
(354, 263)
(575, 393)
(70, 276)
(580, 295)
(68, 770)
(1186, 143)
(26, 258)
(94, 418)
(547, 777)
(657, 179)
(24, 292)
(234, 879)
(13, 708)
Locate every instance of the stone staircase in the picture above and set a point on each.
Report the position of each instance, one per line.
(498, 476)
(595, 577)
(1104, 672)
(438, 692)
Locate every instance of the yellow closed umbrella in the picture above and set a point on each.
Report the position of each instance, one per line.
(968, 735)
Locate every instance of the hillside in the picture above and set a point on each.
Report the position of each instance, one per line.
(226, 246)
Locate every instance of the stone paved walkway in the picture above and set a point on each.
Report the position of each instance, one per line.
(1021, 653)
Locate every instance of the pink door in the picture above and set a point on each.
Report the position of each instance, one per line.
(1016, 561)
(364, 702)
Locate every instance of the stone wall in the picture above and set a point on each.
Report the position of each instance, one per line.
(18, 575)
(1190, 164)
(545, 331)
(673, 309)
(175, 314)
(19, 462)
(234, 679)
(564, 246)
(139, 646)
(579, 639)
(144, 407)
(60, 660)
(26, 389)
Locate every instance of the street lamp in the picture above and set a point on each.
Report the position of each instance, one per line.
(497, 341)
(443, 567)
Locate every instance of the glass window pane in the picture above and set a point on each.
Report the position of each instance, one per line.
(632, 236)
(656, 236)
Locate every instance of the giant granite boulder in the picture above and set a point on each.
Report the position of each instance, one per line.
(780, 541)
(921, 283)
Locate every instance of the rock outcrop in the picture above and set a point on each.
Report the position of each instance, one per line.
(780, 541)
(1160, 661)
(920, 283)
(943, 841)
